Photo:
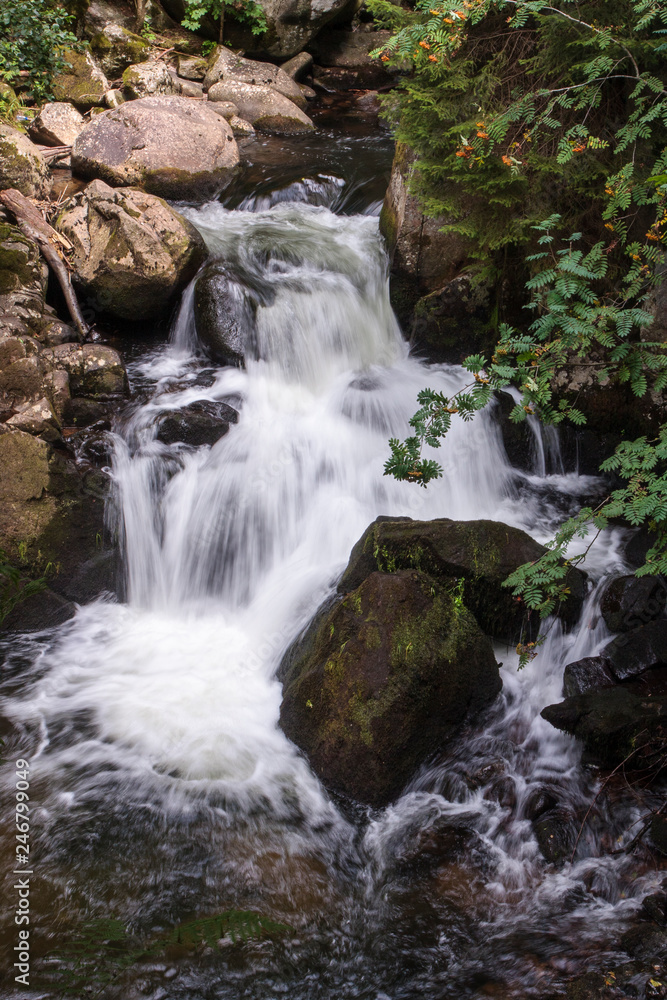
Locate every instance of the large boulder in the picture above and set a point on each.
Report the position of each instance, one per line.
(115, 48)
(228, 66)
(262, 106)
(147, 79)
(100, 13)
(22, 166)
(132, 252)
(290, 24)
(482, 554)
(589, 674)
(633, 653)
(381, 679)
(169, 146)
(57, 124)
(200, 423)
(83, 83)
(348, 54)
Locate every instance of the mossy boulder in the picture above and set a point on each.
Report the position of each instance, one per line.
(83, 84)
(481, 554)
(24, 461)
(115, 48)
(147, 79)
(382, 678)
(23, 276)
(132, 252)
(225, 311)
(22, 165)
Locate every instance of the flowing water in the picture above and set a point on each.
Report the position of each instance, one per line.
(164, 789)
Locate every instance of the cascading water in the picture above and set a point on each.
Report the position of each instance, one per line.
(165, 787)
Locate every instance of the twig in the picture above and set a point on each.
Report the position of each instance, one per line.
(597, 796)
(36, 229)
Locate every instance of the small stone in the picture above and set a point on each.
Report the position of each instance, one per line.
(147, 80)
(226, 109)
(192, 68)
(114, 98)
(240, 127)
(298, 66)
(37, 418)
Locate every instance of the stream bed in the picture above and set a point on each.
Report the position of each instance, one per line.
(163, 791)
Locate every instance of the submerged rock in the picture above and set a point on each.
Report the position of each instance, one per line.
(381, 679)
(132, 252)
(265, 109)
(169, 146)
(482, 554)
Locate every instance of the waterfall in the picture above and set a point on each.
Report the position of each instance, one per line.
(153, 723)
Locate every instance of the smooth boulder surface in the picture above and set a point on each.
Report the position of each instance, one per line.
(83, 83)
(147, 79)
(230, 67)
(299, 66)
(169, 146)
(132, 252)
(481, 553)
(265, 109)
(22, 166)
(381, 679)
(56, 124)
(225, 314)
(631, 601)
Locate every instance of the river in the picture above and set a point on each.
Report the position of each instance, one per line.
(163, 789)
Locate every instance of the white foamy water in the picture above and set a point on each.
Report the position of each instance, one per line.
(230, 549)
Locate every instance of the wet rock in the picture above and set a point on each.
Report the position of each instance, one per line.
(147, 80)
(538, 801)
(614, 724)
(266, 109)
(227, 67)
(481, 553)
(57, 124)
(381, 679)
(631, 601)
(200, 423)
(645, 942)
(22, 166)
(83, 84)
(169, 146)
(298, 66)
(240, 127)
(633, 653)
(132, 252)
(192, 67)
(655, 907)
(589, 674)
(556, 834)
(115, 48)
(225, 315)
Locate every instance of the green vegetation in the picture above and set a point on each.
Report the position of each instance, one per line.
(33, 37)
(530, 119)
(249, 12)
(105, 948)
(14, 587)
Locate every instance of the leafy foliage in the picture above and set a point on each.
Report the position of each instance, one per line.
(587, 114)
(249, 12)
(14, 587)
(105, 949)
(33, 36)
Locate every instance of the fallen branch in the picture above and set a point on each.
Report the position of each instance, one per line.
(35, 228)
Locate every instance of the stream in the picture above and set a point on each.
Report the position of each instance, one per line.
(163, 789)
